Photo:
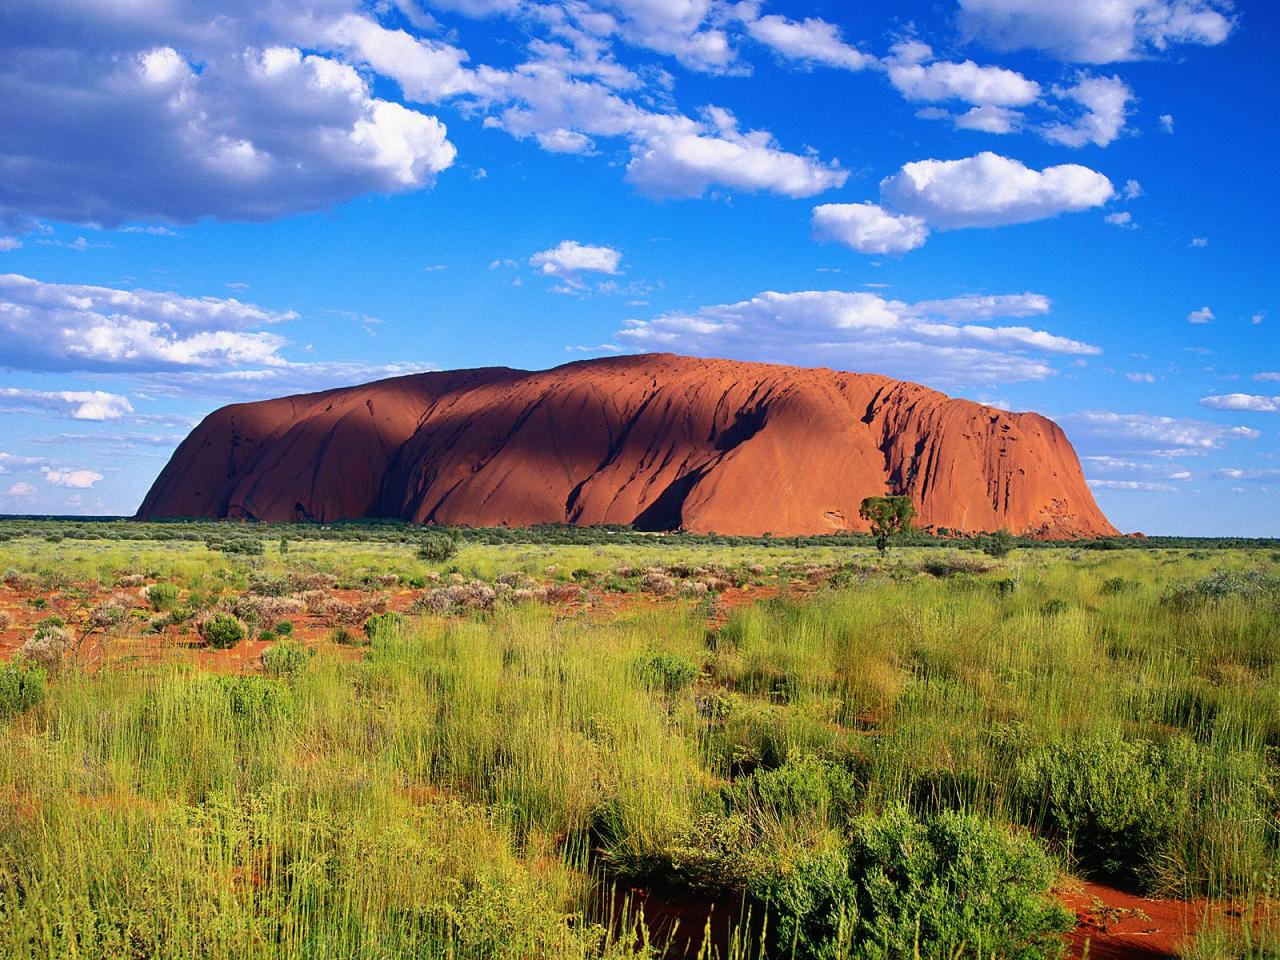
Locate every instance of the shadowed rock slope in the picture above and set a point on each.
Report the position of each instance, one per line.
(658, 441)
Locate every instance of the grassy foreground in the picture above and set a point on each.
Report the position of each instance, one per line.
(901, 760)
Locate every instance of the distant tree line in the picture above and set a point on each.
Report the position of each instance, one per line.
(224, 534)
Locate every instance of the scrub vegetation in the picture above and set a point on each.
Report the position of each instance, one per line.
(631, 748)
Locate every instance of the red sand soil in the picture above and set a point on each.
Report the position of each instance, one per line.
(658, 441)
(1115, 925)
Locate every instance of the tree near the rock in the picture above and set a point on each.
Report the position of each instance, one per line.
(889, 517)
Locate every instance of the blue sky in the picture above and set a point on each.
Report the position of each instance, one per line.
(1065, 206)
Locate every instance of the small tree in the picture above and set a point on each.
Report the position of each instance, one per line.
(998, 544)
(436, 547)
(889, 516)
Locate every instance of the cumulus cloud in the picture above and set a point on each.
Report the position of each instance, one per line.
(76, 404)
(72, 479)
(989, 190)
(1095, 31)
(248, 112)
(1104, 103)
(986, 190)
(1203, 315)
(565, 103)
(680, 163)
(1145, 430)
(918, 79)
(1166, 122)
(22, 489)
(1242, 401)
(1122, 219)
(811, 41)
(227, 117)
(868, 227)
(936, 340)
(1141, 377)
(9, 243)
(63, 326)
(569, 258)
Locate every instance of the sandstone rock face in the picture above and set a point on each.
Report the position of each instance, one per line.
(658, 441)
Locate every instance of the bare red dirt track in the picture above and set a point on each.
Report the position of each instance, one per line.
(658, 441)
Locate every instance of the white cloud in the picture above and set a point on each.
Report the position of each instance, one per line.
(1141, 377)
(1105, 103)
(568, 258)
(1273, 375)
(1257, 318)
(227, 117)
(260, 383)
(1122, 219)
(868, 228)
(917, 79)
(58, 326)
(989, 190)
(986, 190)
(22, 490)
(72, 479)
(1132, 190)
(930, 340)
(1263, 475)
(1242, 401)
(1155, 431)
(1150, 486)
(686, 163)
(988, 119)
(1106, 463)
(1166, 122)
(8, 460)
(810, 41)
(1203, 315)
(1199, 241)
(9, 243)
(1095, 31)
(77, 404)
(679, 28)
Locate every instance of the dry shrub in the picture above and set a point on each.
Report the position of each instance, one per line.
(48, 647)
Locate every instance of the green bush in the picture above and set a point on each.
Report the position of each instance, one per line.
(1252, 586)
(1053, 607)
(668, 672)
(244, 546)
(382, 624)
(1117, 585)
(222, 631)
(998, 544)
(1112, 803)
(804, 786)
(436, 548)
(21, 687)
(953, 885)
(162, 596)
(285, 659)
